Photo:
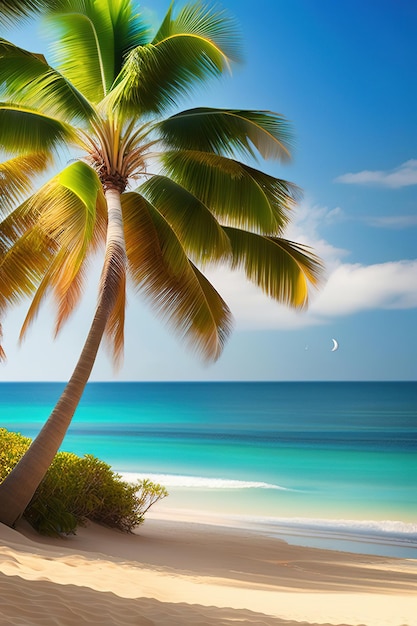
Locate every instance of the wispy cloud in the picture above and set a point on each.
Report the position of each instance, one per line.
(306, 224)
(402, 176)
(395, 222)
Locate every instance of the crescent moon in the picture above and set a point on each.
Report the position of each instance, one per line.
(335, 345)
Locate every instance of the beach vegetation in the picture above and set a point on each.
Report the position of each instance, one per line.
(160, 193)
(76, 489)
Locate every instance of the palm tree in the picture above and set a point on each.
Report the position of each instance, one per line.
(160, 192)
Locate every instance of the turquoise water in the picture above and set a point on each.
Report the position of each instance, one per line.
(311, 451)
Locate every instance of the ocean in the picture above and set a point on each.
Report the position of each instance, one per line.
(330, 464)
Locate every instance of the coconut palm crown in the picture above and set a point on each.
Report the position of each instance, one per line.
(162, 193)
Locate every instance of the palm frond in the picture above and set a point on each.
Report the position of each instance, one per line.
(281, 268)
(93, 40)
(155, 77)
(67, 215)
(68, 203)
(15, 225)
(27, 130)
(282, 195)
(214, 315)
(69, 285)
(208, 22)
(27, 78)
(237, 194)
(187, 51)
(22, 266)
(194, 225)
(68, 208)
(43, 287)
(13, 10)
(26, 255)
(228, 132)
(129, 30)
(176, 290)
(72, 268)
(16, 178)
(80, 57)
(84, 230)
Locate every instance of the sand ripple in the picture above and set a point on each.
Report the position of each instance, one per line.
(33, 603)
(124, 581)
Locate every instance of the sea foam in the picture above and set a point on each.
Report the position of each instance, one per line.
(389, 529)
(200, 482)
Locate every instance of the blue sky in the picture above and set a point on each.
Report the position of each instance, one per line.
(345, 74)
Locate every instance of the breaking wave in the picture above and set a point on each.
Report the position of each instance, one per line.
(200, 482)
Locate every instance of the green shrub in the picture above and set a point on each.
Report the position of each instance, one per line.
(76, 489)
(12, 448)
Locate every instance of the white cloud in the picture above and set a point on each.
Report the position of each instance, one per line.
(352, 288)
(401, 176)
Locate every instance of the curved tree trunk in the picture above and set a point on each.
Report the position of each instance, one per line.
(17, 489)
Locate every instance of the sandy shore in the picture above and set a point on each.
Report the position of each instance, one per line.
(179, 573)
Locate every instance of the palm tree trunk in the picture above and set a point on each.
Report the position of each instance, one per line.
(18, 488)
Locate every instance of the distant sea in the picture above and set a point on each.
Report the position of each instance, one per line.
(321, 460)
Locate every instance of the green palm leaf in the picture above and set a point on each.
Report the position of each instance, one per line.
(194, 225)
(281, 195)
(155, 77)
(281, 268)
(200, 20)
(67, 206)
(27, 130)
(27, 78)
(83, 181)
(236, 193)
(213, 320)
(129, 30)
(177, 291)
(228, 131)
(94, 38)
(186, 51)
(15, 9)
(79, 55)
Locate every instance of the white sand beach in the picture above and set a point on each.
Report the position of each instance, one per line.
(178, 573)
